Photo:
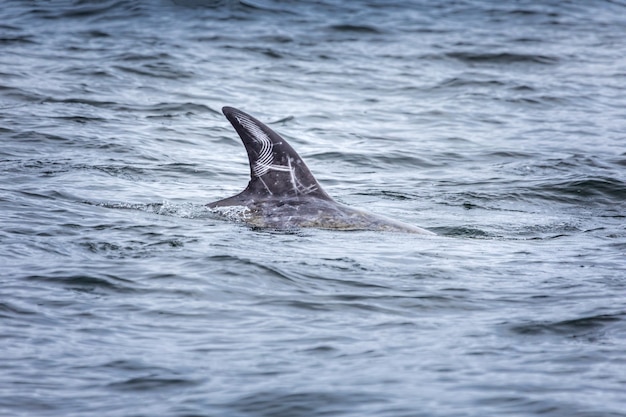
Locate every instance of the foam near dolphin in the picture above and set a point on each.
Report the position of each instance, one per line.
(282, 192)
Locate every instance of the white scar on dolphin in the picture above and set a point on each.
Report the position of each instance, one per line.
(282, 192)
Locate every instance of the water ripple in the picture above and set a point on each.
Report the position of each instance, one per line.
(499, 125)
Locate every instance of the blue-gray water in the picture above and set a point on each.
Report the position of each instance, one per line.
(499, 125)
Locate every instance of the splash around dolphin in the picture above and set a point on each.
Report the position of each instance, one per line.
(282, 192)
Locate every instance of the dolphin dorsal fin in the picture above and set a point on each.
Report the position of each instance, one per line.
(276, 169)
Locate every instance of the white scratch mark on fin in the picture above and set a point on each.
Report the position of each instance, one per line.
(266, 157)
(292, 176)
(265, 185)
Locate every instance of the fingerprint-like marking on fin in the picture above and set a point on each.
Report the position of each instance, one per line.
(266, 154)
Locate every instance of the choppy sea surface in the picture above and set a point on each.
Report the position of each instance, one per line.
(501, 126)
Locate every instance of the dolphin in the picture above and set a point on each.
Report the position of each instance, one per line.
(282, 192)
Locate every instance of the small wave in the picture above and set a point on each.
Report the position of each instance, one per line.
(142, 57)
(157, 70)
(45, 167)
(152, 382)
(23, 39)
(587, 327)
(502, 58)
(598, 190)
(96, 34)
(276, 403)
(92, 103)
(10, 310)
(80, 119)
(88, 10)
(166, 208)
(466, 82)
(256, 5)
(355, 28)
(86, 282)
(261, 50)
(33, 136)
(91, 10)
(381, 159)
(554, 230)
(463, 232)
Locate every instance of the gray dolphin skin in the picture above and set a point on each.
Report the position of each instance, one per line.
(282, 192)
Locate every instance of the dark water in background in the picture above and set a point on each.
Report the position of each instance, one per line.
(499, 125)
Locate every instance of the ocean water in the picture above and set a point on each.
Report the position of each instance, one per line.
(501, 126)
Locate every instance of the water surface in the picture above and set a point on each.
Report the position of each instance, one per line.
(498, 126)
